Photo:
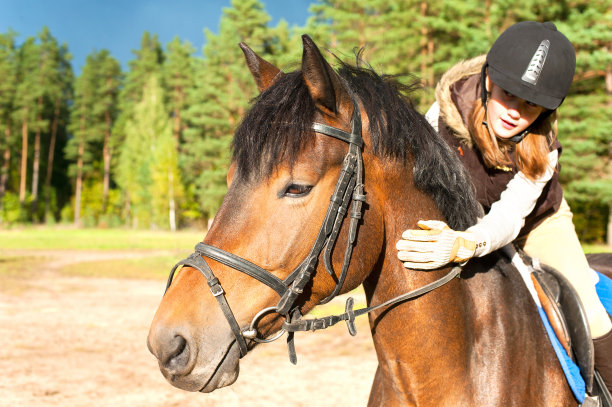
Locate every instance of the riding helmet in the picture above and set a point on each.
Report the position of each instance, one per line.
(533, 61)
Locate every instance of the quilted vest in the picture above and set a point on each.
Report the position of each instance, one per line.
(489, 183)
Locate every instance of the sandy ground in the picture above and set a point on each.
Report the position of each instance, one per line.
(73, 341)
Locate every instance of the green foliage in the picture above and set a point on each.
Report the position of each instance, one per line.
(589, 215)
(223, 87)
(8, 73)
(169, 120)
(147, 267)
(148, 164)
(11, 209)
(34, 238)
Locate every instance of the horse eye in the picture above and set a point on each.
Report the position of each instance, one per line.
(297, 190)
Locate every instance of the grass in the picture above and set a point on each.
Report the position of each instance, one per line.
(153, 266)
(16, 272)
(14, 267)
(150, 267)
(596, 248)
(52, 238)
(17, 266)
(38, 238)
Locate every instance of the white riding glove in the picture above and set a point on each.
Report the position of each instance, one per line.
(436, 245)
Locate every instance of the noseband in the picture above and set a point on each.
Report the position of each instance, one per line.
(349, 187)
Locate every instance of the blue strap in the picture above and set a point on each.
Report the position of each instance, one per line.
(604, 291)
(571, 370)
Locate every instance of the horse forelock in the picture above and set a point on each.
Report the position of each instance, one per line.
(278, 127)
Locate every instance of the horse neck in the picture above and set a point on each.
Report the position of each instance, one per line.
(478, 326)
(426, 325)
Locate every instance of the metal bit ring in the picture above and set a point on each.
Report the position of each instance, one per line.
(251, 332)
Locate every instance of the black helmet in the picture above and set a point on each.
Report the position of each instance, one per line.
(533, 61)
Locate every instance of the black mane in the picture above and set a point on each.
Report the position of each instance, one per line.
(278, 127)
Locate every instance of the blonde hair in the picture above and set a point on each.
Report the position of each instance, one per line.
(531, 152)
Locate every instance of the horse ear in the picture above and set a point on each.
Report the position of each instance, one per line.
(264, 73)
(324, 84)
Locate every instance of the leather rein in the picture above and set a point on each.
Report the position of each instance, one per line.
(349, 187)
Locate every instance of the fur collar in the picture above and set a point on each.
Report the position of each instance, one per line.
(448, 110)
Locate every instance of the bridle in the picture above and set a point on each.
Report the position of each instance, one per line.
(349, 187)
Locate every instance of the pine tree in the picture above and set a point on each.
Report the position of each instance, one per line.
(26, 97)
(395, 37)
(219, 99)
(83, 128)
(109, 77)
(59, 95)
(149, 60)
(48, 82)
(8, 71)
(148, 162)
(179, 77)
(586, 119)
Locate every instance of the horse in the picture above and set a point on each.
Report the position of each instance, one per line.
(467, 336)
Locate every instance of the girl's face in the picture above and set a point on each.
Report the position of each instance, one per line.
(509, 115)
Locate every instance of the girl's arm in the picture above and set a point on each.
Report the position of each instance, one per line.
(436, 245)
(507, 215)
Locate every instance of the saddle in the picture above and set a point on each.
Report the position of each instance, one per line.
(568, 319)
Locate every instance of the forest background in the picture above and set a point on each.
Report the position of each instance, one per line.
(149, 147)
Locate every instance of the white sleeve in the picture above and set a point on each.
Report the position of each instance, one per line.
(432, 115)
(507, 215)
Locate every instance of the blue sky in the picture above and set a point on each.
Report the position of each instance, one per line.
(118, 25)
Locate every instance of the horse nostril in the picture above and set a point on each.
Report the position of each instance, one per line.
(176, 354)
(172, 350)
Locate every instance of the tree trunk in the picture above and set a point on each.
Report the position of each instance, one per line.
(5, 164)
(79, 177)
(50, 157)
(128, 208)
(36, 164)
(610, 224)
(430, 60)
(106, 152)
(609, 93)
(487, 21)
(178, 99)
(362, 28)
(24, 159)
(424, 36)
(172, 210)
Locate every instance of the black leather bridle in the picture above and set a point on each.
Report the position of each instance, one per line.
(349, 187)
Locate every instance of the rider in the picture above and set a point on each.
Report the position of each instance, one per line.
(499, 114)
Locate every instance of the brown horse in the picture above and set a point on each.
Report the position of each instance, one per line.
(476, 341)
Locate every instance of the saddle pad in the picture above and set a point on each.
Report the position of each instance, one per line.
(571, 370)
(603, 287)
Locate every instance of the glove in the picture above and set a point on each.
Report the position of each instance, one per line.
(435, 245)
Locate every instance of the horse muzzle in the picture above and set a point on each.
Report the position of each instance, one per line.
(194, 363)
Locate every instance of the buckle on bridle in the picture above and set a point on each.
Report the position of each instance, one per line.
(215, 287)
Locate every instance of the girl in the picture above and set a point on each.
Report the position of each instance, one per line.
(498, 113)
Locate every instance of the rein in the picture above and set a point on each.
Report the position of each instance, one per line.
(349, 187)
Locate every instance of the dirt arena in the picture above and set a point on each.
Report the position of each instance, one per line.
(74, 341)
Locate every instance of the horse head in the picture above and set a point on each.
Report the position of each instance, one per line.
(279, 245)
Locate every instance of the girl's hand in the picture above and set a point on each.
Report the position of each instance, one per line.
(434, 246)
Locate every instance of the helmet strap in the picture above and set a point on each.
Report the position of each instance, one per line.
(483, 84)
(519, 137)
